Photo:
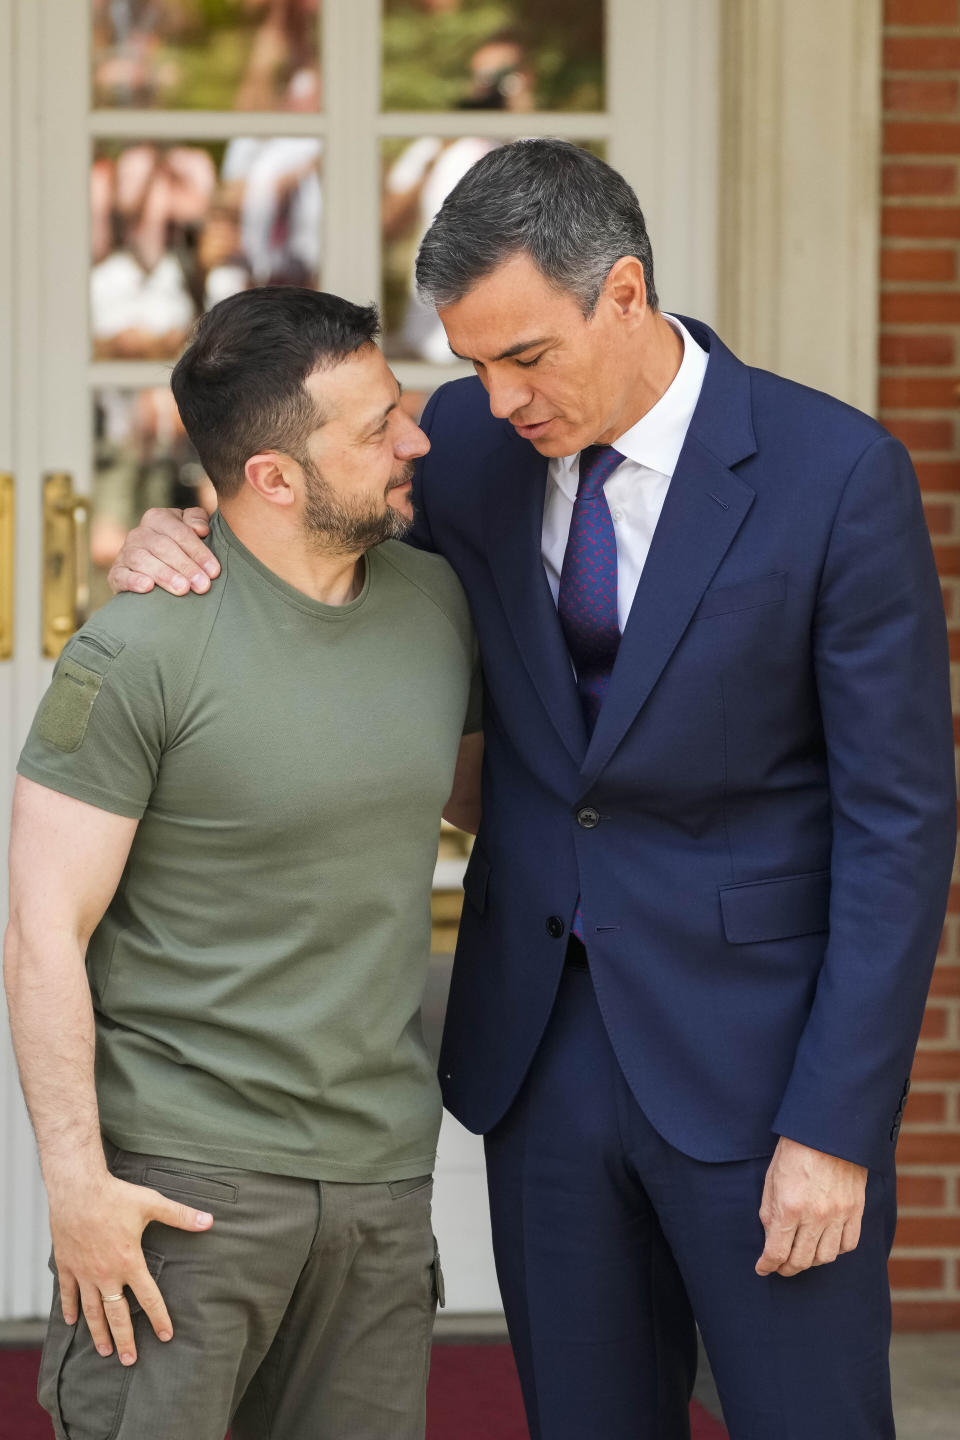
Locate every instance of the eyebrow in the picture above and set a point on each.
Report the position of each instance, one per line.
(513, 351)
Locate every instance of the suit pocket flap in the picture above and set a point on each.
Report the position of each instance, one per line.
(776, 909)
(475, 879)
(767, 590)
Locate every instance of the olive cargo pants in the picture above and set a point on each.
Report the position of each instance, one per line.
(305, 1313)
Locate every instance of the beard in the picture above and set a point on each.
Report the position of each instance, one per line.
(350, 527)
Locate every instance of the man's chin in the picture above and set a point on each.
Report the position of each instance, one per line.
(401, 504)
(551, 448)
(397, 522)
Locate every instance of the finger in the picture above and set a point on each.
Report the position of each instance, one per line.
(146, 564)
(197, 518)
(828, 1247)
(121, 578)
(121, 1326)
(97, 1320)
(777, 1249)
(69, 1297)
(803, 1249)
(172, 1212)
(851, 1235)
(147, 1292)
(174, 526)
(150, 553)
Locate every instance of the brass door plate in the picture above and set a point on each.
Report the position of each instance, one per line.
(66, 561)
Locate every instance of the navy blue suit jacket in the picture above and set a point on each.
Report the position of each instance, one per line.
(772, 769)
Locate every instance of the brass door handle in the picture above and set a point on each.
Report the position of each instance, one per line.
(66, 561)
(7, 528)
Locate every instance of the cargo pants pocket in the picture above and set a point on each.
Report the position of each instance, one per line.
(439, 1289)
(83, 1392)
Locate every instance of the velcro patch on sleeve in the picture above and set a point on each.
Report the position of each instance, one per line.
(66, 708)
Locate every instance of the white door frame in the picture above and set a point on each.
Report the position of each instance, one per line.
(800, 212)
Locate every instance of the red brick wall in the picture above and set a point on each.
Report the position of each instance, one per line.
(919, 398)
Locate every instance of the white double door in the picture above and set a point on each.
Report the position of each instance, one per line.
(49, 375)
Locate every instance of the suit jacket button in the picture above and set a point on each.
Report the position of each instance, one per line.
(555, 927)
(588, 818)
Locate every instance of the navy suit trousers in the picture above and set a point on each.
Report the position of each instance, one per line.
(612, 1246)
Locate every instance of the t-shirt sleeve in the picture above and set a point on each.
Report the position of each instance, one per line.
(99, 731)
(474, 717)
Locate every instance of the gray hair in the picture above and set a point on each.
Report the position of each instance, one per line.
(574, 215)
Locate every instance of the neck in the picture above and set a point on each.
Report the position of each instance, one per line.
(660, 357)
(331, 577)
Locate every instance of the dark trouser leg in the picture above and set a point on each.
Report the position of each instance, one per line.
(596, 1217)
(600, 1324)
(792, 1357)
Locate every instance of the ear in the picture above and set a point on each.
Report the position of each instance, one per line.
(270, 476)
(626, 287)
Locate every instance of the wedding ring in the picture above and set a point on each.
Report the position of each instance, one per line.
(107, 1298)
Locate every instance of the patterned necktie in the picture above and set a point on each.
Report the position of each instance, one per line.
(587, 600)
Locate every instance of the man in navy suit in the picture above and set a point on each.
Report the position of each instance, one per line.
(717, 826)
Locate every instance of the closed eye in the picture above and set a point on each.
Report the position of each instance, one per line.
(529, 364)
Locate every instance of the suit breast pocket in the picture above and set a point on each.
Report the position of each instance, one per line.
(745, 595)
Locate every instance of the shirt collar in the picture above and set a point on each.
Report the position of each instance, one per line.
(657, 438)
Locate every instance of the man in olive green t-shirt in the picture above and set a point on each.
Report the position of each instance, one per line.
(237, 799)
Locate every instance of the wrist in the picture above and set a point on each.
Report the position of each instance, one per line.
(81, 1168)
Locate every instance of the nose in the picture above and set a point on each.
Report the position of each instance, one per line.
(412, 442)
(508, 394)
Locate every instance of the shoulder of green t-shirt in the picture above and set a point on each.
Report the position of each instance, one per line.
(119, 691)
(435, 578)
(156, 637)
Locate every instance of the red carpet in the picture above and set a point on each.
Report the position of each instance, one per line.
(474, 1395)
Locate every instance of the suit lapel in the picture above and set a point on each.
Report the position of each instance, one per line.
(514, 524)
(705, 506)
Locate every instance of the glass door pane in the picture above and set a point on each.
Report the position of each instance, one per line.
(177, 226)
(206, 54)
(515, 55)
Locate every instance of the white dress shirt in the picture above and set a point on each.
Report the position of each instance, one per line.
(638, 487)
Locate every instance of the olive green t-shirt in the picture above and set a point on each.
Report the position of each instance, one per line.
(257, 977)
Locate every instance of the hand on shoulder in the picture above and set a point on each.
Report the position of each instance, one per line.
(166, 550)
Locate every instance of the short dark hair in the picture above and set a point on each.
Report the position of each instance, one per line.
(239, 383)
(573, 214)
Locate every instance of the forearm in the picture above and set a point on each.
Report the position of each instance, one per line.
(66, 859)
(96, 1221)
(464, 807)
(51, 1019)
(463, 816)
(856, 1050)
